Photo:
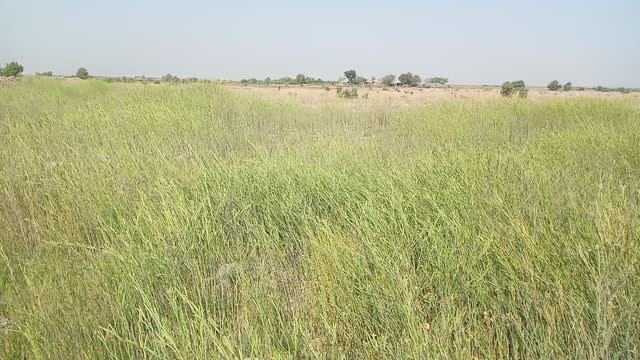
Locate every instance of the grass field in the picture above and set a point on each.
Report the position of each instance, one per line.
(193, 221)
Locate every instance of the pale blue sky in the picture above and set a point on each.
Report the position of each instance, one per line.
(587, 42)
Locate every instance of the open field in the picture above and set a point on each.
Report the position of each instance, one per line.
(407, 97)
(199, 221)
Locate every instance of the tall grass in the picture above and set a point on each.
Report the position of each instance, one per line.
(190, 222)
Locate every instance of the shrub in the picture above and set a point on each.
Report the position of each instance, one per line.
(359, 80)
(568, 86)
(554, 85)
(349, 93)
(11, 69)
(606, 89)
(409, 79)
(438, 80)
(82, 73)
(171, 78)
(506, 89)
(389, 80)
(45, 74)
(511, 88)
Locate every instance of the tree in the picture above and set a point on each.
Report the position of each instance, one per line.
(267, 80)
(409, 79)
(568, 86)
(416, 80)
(389, 80)
(11, 69)
(300, 79)
(438, 80)
(82, 73)
(350, 75)
(359, 80)
(554, 85)
(45, 74)
(511, 88)
(506, 89)
(167, 78)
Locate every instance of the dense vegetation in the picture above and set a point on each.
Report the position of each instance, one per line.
(184, 221)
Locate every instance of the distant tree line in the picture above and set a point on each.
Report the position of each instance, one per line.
(508, 89)
(300, 79)
(620, 89)
(351, 77)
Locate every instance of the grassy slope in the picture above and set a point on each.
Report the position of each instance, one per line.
(185, 222)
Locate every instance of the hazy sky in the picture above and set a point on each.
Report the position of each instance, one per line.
(587, 42)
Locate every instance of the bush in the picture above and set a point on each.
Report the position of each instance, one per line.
(568, 86)
(349, 93)
(359, 80)
(511, 88)
(438, 80)
(82, 73)
(389, 80)
(606, 89)
(45, 74)
(171, 78)
(11, 69)
(409, 79)
(554, 85)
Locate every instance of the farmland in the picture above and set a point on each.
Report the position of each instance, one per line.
(198, 220)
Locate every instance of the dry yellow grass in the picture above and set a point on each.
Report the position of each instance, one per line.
(398, 98)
